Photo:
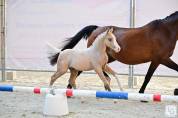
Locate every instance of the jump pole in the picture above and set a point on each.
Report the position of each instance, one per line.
(92, 93)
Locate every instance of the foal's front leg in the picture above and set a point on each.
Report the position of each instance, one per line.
(109, 70)
(99, 71)
(107, 77)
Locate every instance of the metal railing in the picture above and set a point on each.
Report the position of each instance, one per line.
(2, 16)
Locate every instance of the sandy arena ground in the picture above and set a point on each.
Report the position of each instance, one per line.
(25, 105)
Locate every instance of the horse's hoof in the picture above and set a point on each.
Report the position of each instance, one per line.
(176, 91)
(144, 101)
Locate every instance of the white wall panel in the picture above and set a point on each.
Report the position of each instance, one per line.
(32, 23)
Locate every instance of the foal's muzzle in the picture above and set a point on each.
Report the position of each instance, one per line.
(117, 49)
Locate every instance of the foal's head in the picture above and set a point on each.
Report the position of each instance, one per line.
(110, 41)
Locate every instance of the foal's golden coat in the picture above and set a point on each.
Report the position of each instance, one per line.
(92, 58)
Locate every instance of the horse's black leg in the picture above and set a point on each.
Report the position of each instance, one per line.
(170, 64)
(148, 76)
(70, 86)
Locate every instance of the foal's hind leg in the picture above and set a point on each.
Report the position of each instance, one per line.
(55, 76)
(72, 79)
(53, 79)
(61, 69)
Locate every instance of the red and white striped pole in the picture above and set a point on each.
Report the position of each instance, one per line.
(92, 93)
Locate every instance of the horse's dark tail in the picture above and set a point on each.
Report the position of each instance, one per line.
(84, 33)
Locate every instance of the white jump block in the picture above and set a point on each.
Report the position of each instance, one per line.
(55, 105)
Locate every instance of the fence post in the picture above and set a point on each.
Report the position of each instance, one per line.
(2, 40)
(132, 25)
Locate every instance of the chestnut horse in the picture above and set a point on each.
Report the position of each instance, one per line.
(154, 42)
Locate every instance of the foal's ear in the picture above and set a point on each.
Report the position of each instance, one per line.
(110, 30)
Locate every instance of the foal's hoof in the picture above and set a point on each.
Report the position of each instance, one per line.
(121, 89)
(52, 92)
(107, 88)
(115, 101)
(69, 86)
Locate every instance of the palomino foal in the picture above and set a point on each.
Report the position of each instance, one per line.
(92, 58)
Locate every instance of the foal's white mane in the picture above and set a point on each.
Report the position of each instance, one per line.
(99, 38)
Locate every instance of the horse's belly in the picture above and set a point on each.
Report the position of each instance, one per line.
(132, 58)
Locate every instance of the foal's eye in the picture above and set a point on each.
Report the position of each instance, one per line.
(110, 39)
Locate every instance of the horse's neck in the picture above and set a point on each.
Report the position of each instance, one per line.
(172, 23)
(99, 45)
(174, 27)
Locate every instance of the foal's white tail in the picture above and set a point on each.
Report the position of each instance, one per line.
(53, 53)
(51, 50)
